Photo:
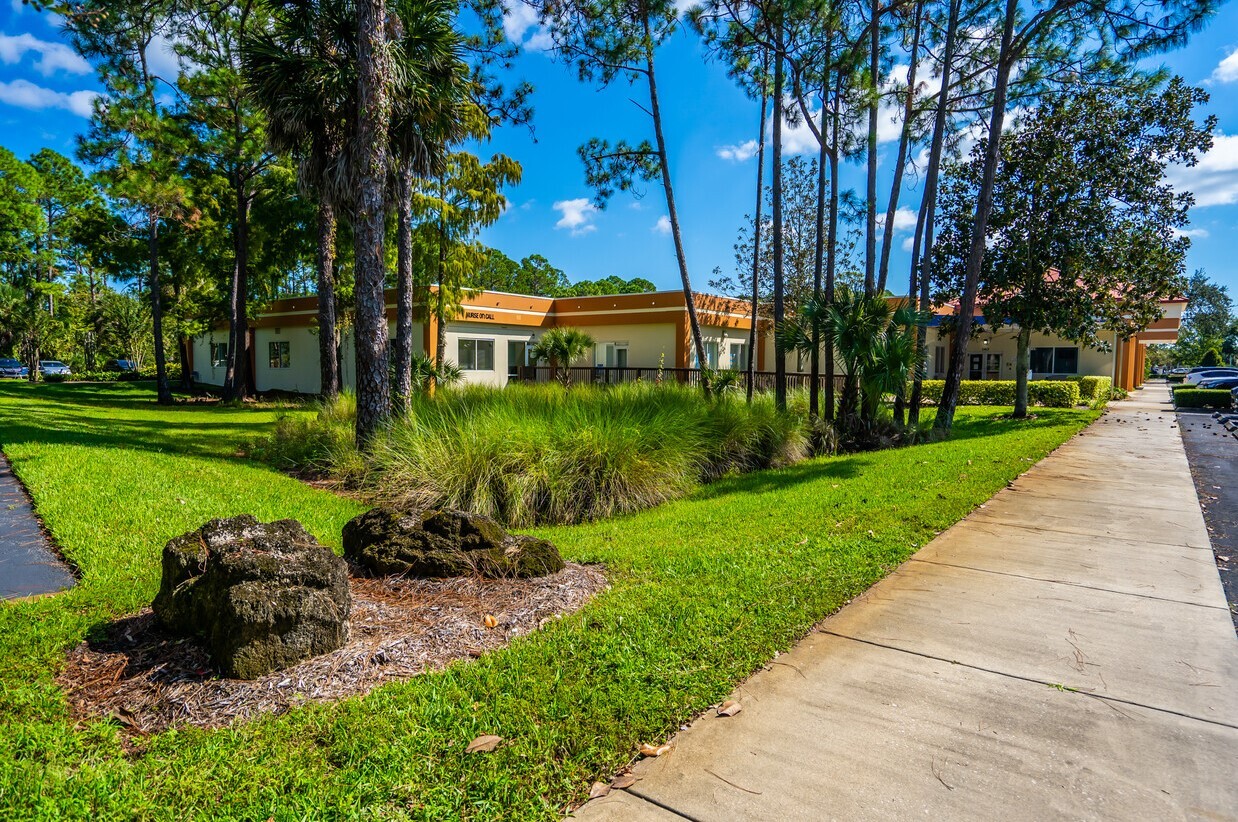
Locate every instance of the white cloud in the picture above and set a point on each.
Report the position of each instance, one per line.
(1199, 233)
(521, 19)
(577, 215)
(909, 243)
(24, 94)
(18, 6)
(663, 225)
(53, 57)
(162, 59)
(904, 219)
(1214, 179)
(738, 153)
(1227, 70)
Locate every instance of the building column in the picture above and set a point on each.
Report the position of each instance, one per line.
(1140, 364)
(683, 341)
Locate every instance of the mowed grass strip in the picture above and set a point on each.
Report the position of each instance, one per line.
(705, 590)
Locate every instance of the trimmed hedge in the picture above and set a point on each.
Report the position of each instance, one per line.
(1092, 389)
(1218, 398)
(1049, 393)
(1173, 378)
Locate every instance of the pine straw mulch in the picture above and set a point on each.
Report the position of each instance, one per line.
(150, 681)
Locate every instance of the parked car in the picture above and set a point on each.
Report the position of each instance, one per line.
(1220, 382)
(1196, 377)
(53, 368)
(120, 365)
(13, 369)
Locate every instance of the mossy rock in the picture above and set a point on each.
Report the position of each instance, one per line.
(262, 596)
(444, 543)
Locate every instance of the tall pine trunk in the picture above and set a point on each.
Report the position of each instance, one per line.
(163, 391)
(753, 339)
(870, 187)
(922, 259)
(370, 144)
(818, 263)
(904, 143)
(328, 360)
(980, 224)
(780, 362)
(403, 387)
(831, 260)
(655, 109)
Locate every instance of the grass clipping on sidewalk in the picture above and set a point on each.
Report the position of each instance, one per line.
(704, 590)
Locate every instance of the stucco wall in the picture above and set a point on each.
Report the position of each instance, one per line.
(302, 373)
(500, 334)
(1092, 361)
(648, 345)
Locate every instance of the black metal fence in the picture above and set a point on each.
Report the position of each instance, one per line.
(762, 380)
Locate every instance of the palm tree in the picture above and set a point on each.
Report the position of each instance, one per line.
(306, 72)
(561, 347)
(874, 340)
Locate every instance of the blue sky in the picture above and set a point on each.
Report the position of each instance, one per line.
(46, 89)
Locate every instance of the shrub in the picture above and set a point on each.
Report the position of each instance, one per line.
(1175, 378)
(538, 454)
(1219, 398)
(1211, 357)
(1050, 393)
(1096, 390)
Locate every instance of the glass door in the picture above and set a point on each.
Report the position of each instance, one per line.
(975, 366)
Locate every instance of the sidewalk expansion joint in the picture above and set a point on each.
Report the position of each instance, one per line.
(1032, 680)
(995, 524)
(1067, 582)
(662, 805)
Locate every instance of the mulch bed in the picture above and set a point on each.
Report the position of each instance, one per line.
(150, 681)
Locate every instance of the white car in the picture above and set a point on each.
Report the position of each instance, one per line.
(1195, 377)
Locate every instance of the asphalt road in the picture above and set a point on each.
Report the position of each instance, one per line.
(1213, 454)
(28, 566)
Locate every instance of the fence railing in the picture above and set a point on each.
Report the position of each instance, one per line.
(762, 380)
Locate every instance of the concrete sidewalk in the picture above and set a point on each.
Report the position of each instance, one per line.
(28, 567)
(1065, 651)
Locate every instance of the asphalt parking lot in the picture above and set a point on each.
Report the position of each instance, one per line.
(1213, 454)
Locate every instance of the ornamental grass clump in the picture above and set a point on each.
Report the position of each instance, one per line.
(531, 454)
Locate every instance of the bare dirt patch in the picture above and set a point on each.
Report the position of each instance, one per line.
(149, 681)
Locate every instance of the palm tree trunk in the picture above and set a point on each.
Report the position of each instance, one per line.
(780, 362)
(328, 362)
(403, 388)
(655, 109)
(374, 113)
(756, 247)
(980, 225)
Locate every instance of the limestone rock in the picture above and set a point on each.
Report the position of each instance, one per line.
(263, 596)
(444, 543)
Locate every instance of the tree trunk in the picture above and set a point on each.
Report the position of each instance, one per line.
(904, 142)
(818, 262)
(403, 387)
(870, 215)
(753, 339)
(370, 140)
(831, 262)
(922, 260)
(980, 224)
(185, 344)
(1022, 364)
(328, 361)
(664, 165)
(163, 391)
(780, 362)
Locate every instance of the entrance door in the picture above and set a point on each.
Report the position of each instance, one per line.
(517, 355)
(975, 367)
(993, 366)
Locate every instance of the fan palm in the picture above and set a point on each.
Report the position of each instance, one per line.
(561, 347)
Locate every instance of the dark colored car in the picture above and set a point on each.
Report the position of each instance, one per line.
(1220, 382)
(12, 368)
(53, 368)
(119, 365)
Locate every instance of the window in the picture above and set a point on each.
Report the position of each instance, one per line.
(476, 355)
(739, 356)
(278, 351)
(612, 355)
(219, 355)
(1063, 360)
(939, 359)
(517, 355)
(711, 355)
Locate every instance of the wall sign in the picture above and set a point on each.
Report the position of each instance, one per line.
(477, 315)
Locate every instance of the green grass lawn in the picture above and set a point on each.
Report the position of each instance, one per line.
(705, 590)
